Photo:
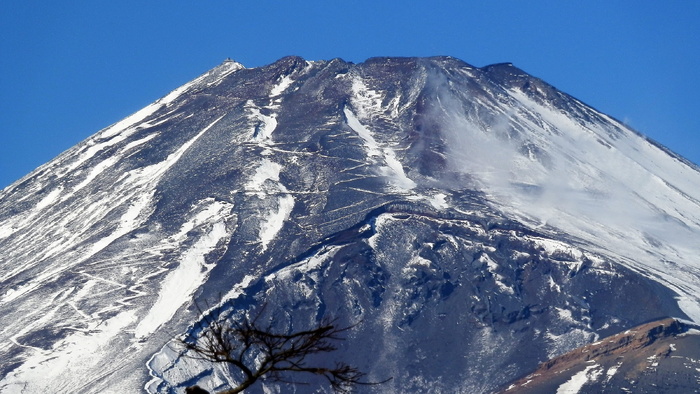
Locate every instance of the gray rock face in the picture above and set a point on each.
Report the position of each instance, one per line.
(473, 222)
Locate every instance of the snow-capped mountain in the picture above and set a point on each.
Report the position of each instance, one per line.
(473, 222)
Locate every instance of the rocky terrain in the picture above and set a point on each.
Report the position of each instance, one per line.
(656, 357)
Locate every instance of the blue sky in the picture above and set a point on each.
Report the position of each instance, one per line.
(71, 68)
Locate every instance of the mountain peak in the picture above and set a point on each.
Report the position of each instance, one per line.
(477, 215)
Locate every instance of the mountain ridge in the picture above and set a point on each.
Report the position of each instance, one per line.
(649, 347)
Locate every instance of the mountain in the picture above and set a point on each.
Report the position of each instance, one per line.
(471, 222)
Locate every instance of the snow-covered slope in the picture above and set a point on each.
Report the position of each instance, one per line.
(475, 215)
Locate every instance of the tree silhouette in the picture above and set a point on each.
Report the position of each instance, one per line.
(256, 351)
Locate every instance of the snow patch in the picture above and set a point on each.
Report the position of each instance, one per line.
(365, 100)
(414, 264)
(576, 382)
(393, 169)
(239, 288)
(267, 170)
(612, 371)
(438, 201)
(132, 119)
(6, 229)
(565, 315)
(553, 285)
(266, 185)
(134, 144)
(134, 216)
(264, 125)
(690, 305)
(370, 143)
(49, 199)
(273, 223)
(691, 331)
(97, 170)
(492, 268)
(283, 84)
(180, 283)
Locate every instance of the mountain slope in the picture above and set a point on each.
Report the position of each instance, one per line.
(473, 215)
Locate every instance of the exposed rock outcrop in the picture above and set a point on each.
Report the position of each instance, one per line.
(656, 357)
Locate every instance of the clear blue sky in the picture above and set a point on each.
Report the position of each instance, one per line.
(70, 68)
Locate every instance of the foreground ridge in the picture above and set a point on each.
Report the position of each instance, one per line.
(654, 357)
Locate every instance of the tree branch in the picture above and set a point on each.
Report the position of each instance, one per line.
(256, 352)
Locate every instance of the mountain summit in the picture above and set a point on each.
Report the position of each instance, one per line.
(472, 222)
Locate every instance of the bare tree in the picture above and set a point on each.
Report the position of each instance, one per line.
(256, 352)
